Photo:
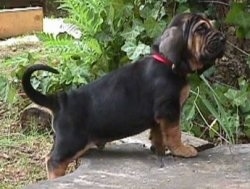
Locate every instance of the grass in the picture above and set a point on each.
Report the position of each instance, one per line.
(21, 154)
(22, 151)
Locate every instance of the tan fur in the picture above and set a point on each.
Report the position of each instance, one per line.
(196, 45)
(172, 139)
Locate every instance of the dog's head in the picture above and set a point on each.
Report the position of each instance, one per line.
(191, 41)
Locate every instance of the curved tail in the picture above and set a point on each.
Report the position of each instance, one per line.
(48, 101)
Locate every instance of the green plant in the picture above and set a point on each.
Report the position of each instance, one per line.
(239, 16)
(216, 111)
(114, 32)
(118, 31)
(10, 73)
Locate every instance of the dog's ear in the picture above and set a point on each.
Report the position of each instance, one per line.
(155, 46)
(172, 44)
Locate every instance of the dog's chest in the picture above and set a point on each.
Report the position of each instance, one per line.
(184, 93)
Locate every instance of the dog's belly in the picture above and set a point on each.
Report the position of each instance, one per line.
(115, 132)
(114, 128)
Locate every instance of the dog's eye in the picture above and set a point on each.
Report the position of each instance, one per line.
(201, 29)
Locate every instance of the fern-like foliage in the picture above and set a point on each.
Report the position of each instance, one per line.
(87, 15)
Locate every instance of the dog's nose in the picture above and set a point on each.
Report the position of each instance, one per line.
(222, 38)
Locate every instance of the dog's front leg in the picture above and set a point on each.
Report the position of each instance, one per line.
(168, 113)
(156, 137)
(172, 139)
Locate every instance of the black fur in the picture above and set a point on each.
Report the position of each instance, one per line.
(125, 102)
(34, 95)
(122, 103)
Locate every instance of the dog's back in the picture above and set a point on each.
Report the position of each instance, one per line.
(118, 105)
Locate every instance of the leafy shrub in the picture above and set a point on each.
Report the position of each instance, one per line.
(114, 32)
(215, 111)
(239, 16)
(118, 31)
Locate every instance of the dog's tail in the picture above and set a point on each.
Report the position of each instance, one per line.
(48, 101)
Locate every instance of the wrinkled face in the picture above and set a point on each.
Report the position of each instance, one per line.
(204, 44)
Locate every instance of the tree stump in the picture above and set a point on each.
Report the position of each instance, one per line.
(37, 118)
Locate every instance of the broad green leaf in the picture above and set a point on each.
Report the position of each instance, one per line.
(154, 10)
(134, 51)
(7, 92)
(237, 98)
(153, 28)
(239, 16)
(132, 33)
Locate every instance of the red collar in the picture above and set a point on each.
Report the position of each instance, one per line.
(162, 59)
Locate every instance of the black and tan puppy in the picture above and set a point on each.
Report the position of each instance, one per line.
(147, 94)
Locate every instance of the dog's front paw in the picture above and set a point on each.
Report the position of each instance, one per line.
(158, 150)
(184, 151)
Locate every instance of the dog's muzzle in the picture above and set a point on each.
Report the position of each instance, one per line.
(215, 46)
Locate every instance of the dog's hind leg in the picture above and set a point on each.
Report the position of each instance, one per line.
(63, 152)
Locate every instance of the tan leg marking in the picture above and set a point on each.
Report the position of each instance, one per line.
(57, 171)
(172, 139)
(157, 140)
(60, 170)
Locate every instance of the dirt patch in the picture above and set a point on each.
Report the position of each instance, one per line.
(17, 50)
(16, 46)
(234, 63)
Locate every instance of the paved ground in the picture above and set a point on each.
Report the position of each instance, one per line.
(133, 166)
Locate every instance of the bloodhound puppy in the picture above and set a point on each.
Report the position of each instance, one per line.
(147, 94)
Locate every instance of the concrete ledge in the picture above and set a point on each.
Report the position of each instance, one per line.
(20, 21)
(133, 166)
